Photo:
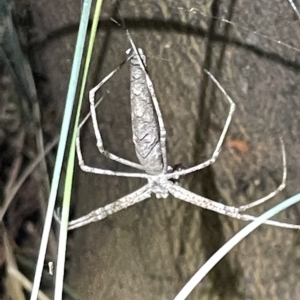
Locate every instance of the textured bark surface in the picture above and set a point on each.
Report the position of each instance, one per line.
(149, 251)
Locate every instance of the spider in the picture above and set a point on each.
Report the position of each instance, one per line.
(149, 138)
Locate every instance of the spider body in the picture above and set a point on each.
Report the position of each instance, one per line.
(149, 138)
(145, 127)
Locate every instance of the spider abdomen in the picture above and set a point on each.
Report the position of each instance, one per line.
(145, 126)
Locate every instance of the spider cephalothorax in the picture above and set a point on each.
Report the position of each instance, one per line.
(149, 137)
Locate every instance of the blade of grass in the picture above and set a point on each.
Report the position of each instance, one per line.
(25, 174)
(294, 7)
(202, 272)
(13, 287)
(86, 7)
(70, 166)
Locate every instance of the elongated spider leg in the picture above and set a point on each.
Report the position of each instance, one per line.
(102, 212)
(162, 130)
(231, 211)
(99, 140)
(90, 169)
(221, 139)
(275, 192)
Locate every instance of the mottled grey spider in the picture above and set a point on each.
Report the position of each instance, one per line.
(149, 137)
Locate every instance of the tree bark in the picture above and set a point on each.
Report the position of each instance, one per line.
(149, 251)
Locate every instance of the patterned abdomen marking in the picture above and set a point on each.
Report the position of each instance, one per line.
(145, 127)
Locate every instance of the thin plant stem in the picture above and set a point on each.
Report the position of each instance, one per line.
(86, 7)
(70, 165)
(203, 271)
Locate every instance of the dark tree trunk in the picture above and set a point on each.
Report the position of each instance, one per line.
(149, 251)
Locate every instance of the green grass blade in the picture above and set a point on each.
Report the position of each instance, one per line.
(86, 7)
(70, 166)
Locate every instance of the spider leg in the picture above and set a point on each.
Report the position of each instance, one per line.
(231, 211)
(162, 130)
(102, 212)
(275, 192)
(221, 139)
(99, 140)
(89, 169)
